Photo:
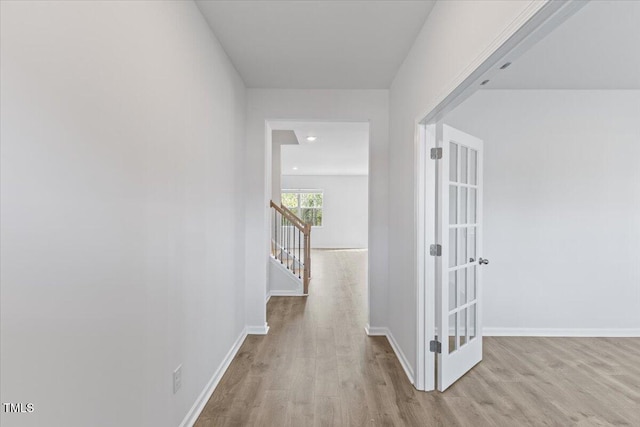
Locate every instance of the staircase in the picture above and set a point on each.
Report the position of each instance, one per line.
(290, 244)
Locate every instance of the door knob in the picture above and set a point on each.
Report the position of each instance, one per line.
(483, 261)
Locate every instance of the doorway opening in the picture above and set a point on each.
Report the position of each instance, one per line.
(320, 177)
(450, 186)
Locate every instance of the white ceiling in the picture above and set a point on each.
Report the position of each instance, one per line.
(340, 148)
(597, 48)
(337, 44)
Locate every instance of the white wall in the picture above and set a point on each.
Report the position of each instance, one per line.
(281, 281)
(122, 133)
(276, 175)
(455, 40)
(561, 208)
(279, 138)
(308, 105)
(344, 212)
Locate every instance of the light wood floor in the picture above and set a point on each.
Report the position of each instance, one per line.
(317, 367)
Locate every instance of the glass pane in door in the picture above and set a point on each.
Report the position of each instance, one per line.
(471, 282)
(453, 162)
(452, 333)
(472, 322)
(463, 205)
(453, 245)
(463, 165)
(462, 247)
(472, 206)
(473, 167)
(452, 291)
(471, 239)
(462, 287)
(462, 327)
(453, 204)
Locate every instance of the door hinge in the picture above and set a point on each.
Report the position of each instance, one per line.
(436, 153)
(435, 346)
(435, 250)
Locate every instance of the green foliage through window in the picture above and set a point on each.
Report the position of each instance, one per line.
(305, 205)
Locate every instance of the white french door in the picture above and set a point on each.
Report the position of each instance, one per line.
(459, 276)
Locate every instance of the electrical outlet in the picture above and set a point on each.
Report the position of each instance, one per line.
(177, 379)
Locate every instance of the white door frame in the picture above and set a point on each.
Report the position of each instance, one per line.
(425, 191)
(541, 22)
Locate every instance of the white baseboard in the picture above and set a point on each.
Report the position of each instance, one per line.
(401, 357)
(193, 414)
(374, 331)
(560, 332)
(286, 293)
(258, 330)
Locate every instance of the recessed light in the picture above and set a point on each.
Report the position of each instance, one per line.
(484, 82)
(505, 65)
(295, 168)
(311, 138)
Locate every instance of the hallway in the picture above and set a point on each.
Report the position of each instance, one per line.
(317, 367)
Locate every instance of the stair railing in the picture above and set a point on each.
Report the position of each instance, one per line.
(291, 243)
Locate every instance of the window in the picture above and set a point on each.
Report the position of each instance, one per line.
(306, 204)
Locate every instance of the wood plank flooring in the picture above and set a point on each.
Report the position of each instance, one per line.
(316, 367)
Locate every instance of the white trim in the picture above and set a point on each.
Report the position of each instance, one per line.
(420, 242)
(286, 293)
(401, 357)
(374, 331)
(384, 332)
(302, 191)
(327, 174)
(537, 20)
(509, 30)
(290, 256)
(258, 330)
(268, 297)
(561, 332)
(431, 235)
(425, 217)
(430, 263)
(193, 414)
